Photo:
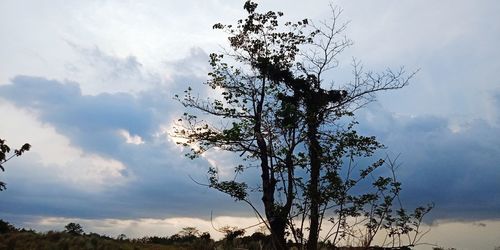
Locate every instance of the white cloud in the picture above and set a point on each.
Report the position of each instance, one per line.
(131, 139)
(53, 156)
(40, 37)
(453, 43)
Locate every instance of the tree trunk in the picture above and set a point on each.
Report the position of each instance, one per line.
(276, 221)
(312, 120)
(314, 154)
(278, 233)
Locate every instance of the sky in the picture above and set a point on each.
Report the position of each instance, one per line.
(90, 85)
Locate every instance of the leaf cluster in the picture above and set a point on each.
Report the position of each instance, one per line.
(4, 151)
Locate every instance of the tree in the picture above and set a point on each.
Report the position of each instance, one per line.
(248, 106)
(73, 228)
(4, 150)
(6, 227)
(189, 232)
(121, 237)
(279, 114)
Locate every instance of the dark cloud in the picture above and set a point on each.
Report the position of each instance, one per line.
(161, 183)
(91, 122)
(456, 166)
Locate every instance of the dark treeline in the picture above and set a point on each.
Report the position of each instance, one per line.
(74, 237)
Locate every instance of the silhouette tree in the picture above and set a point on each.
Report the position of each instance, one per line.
(278, 113)
(6, 227)
(4, 151)
(73, 228)
(121, 237)
(189, 231)
(248, 104)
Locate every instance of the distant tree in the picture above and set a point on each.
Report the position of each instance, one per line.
(6, 227)
(205, 236)
(189, 232)
(230, 236)
(121, 237)
(73, 228)
(231, 233)
(4, 150)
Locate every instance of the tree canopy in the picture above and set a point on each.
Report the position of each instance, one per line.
(73, 228)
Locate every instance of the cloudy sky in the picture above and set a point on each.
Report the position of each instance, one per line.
(90, 84)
